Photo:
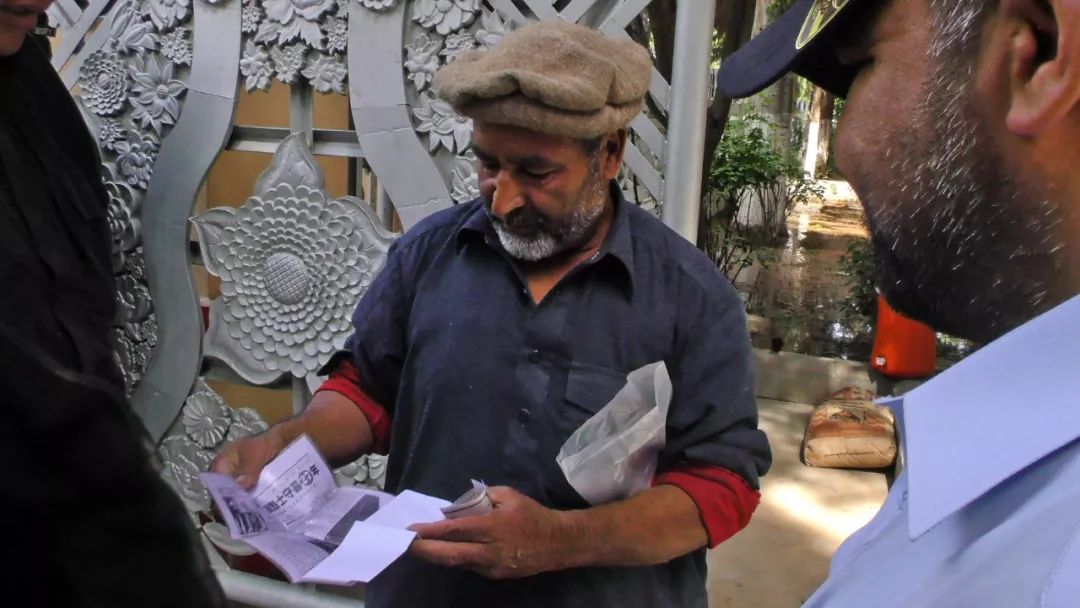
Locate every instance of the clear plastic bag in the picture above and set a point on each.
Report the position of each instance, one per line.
(613, 455)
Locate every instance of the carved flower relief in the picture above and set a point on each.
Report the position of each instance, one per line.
(133, 304)
(492, 29)
(288, 61)
(256, 67)
(288, 20)
(445, 16)
(465, 182)
(167, 14)
(176, 46)
(135, 158)
(110, 132)
(369, 471)
(206, 417)
(129, 32)
(155, 93)
(337, 34)
(104, 83)
(457, 44)
(245, 423)
(326, 73)
(422, 60)
(377, 5)
(292, 264)
(250, 16)
(184, 461)
(443, 126)
(123, 219)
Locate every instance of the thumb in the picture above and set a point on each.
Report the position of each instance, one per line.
(500, 494)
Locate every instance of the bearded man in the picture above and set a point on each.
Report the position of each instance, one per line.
(960, 136)
(497, 328)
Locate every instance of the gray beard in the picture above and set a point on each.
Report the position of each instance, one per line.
(961, 244)
(571, 232)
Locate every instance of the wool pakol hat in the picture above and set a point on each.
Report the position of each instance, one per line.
(551, 77)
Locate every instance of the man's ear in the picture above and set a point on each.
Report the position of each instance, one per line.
(1044, 70)
(612, 152)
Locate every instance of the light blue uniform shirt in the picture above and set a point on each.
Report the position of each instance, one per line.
(987, 513)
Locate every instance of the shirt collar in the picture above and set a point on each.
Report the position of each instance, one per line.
(990, 416)
(618, 245)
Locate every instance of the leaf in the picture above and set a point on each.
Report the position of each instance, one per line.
(293, 164)
(212, 228)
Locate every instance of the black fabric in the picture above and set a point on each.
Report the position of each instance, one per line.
(89, 521)
(774, 52)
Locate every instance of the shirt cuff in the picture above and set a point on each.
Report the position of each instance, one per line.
(345, 381)
(725, 501)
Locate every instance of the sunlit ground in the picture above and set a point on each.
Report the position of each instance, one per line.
(805, 514)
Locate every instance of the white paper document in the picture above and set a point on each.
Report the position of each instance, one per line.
(313, 530)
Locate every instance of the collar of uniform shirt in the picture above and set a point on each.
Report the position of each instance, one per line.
(990, 416)
(619, 243)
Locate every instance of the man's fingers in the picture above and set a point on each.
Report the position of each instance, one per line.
(500, 494)
(465, 530)
(226, 462)
(451, 554)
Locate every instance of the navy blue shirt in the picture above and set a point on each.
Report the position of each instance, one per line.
(483, 383)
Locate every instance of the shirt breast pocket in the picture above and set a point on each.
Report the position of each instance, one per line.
(588, 389)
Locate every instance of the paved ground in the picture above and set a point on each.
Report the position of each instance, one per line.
(805, 514)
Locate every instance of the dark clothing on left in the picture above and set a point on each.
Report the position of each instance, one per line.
(90, 521)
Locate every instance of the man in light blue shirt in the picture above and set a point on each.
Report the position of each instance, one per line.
(961, 135)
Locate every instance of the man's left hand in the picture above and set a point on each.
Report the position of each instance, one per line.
(519, 538)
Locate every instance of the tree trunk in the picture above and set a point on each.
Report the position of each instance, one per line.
(825, 120)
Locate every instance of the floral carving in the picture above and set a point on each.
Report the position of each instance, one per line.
(445, 16)
(250, 17)
(422, 60)
(135, 158)
(465, 182)
(104, 83)
(155, 93)
(288, 20)
(184, 460)
(367, 471)
(326, 73)
(256, 67)
(288, 61)
(176, 46)
(377, 5)
(444, 126)
(457, 44)
(492, 29)
(123, 219)
(293, 263)
(206, 416)
(110, 132)
(166, 14)
(245, 423)
(337, 34)
(129, 33)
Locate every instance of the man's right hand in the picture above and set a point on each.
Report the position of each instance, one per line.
(244, 459)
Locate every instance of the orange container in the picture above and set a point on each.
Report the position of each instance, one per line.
(903, 348)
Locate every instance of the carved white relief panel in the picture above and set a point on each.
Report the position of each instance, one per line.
(293, 264)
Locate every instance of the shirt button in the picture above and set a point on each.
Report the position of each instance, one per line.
(524, 416)
(534, 357)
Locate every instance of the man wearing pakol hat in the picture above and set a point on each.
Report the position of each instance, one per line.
(500, 326)
(961, 135)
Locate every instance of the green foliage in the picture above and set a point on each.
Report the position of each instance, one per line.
(777, 8)
(859, 265)
(748, 170)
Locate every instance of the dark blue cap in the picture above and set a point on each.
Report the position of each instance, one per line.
(801, 41)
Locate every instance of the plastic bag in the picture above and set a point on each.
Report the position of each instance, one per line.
(613, 455)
